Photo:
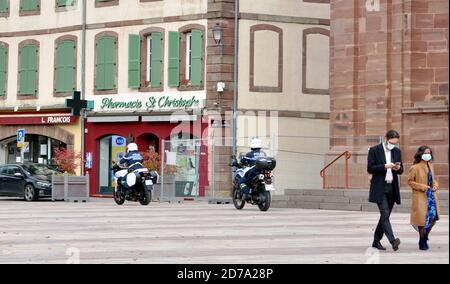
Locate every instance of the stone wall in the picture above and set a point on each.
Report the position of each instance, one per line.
(389, 69)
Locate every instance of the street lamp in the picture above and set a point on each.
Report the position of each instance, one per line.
(217, 32)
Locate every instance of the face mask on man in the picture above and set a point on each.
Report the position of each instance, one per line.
(390, 146)
(426, 157)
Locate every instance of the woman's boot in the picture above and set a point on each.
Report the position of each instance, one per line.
(423, 244)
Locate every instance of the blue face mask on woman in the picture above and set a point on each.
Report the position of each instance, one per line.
(426, 157)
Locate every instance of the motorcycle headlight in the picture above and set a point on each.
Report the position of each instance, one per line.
(261, 177)
(43, 184)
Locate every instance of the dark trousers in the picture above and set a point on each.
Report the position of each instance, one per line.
(384, 224)
(249, 176)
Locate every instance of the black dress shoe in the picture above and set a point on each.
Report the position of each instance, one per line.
(378, 245)
(395, 244)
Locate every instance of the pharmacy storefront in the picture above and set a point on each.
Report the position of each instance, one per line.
(146, 120)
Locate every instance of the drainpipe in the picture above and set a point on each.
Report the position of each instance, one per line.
(235, 75)
(83, 81)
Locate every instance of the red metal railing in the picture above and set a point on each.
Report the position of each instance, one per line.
(347, 156)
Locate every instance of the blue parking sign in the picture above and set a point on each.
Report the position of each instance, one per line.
(20, 137)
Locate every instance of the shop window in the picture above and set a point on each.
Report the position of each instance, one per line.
(182, 159)
(111, 149)
(38, 149)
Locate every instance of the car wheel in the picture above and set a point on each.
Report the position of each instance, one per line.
(30, 193)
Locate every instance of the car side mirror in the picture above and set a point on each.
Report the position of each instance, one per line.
(18, 175)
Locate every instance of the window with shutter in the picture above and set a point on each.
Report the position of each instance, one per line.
(106, 66)
(174, 59)
(3, 70)
(106, 3)
(65, 3)
(28, 70)
(65, 67)
(196, 54)
(155, 60)
(4, 8)
(134, 61)
(29, 5)
(192, 57)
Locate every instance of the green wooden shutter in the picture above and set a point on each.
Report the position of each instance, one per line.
(197, 54)
(4, 6)
(134, 61)
(110, 63)
(3, 74)
(156, 59)
(28, 70)
(65, 67)
(106, 63)
(29, 5)
(64, 3)
(99, 65)
(174, 59)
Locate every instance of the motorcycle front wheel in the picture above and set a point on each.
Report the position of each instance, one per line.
(119, 197)
(146, 197)
(237, 201)
(267, 200)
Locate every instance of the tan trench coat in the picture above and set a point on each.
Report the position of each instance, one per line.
(418, 180)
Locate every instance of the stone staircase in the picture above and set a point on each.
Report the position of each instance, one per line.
(346, 200)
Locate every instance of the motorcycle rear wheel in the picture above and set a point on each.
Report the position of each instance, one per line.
(265, 205)
(238, 202)
(146, 198)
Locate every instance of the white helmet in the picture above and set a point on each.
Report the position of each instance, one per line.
(132, 147)
(256, 143)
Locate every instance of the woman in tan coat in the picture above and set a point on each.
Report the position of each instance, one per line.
(425, 203)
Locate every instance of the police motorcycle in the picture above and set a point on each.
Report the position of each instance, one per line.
(133, 184)
(261, 184)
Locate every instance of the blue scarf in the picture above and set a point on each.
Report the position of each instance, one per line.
(431, 203)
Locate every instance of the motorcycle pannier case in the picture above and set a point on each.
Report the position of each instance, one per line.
(266, 164)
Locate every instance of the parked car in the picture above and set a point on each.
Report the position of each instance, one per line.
(30, 181)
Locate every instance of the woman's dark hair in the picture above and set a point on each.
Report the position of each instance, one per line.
(420, 152)
(391, 134)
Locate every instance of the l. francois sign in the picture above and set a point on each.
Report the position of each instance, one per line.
(33, 120)
(148, 103)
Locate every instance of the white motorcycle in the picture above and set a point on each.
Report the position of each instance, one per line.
(134, 185)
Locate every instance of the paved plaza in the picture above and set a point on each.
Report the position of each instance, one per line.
(196, 232)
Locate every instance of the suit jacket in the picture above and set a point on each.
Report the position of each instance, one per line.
(375, 166)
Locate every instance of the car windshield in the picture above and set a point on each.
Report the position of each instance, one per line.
(40, 170)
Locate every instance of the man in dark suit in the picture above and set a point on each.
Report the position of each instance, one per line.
(384, 162)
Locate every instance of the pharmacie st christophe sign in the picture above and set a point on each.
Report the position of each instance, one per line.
(148, 103)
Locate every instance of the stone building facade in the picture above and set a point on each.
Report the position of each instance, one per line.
(389, 70)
